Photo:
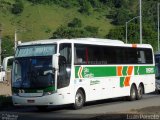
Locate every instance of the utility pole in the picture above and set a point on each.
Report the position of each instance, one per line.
(15, 40)
(126, 33)
(127, 26)
(0, 44)
(158, 23)
(140, 15)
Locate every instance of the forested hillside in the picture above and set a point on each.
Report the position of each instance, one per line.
(43, 19)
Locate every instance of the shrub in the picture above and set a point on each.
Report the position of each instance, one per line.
(92, 30)
(75, 23)
(65, 32)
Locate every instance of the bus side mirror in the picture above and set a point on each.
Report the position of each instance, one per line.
(6, 62)
(55, 59)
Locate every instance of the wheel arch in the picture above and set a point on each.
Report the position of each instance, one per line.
(141, 83)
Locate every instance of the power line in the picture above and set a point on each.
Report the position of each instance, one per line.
(0, 43)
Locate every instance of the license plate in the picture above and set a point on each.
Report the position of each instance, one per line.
(30, 101)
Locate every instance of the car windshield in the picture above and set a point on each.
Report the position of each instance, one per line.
(33, 71)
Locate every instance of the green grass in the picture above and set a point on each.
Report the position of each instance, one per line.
(40, 21)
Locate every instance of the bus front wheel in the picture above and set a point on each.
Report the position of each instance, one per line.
(79, 100)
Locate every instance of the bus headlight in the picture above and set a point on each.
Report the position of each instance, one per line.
(49, 93)
(15, 94)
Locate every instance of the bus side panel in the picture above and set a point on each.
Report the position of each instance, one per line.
(102, 88)
(102, 82)
(147, 80)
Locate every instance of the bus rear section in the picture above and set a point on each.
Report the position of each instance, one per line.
(113, 70)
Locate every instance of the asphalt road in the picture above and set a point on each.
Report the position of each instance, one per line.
(112, 107)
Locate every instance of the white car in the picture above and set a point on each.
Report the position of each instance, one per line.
(2, 74)
(158, 85)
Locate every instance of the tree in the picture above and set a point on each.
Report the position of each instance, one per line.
(118, 3)
(120, 16)
(104, 1)
(85, 7)
(117, 33)
(7, 46)
(149, 35)
(36, 1)
(95, 3)
(17, 8)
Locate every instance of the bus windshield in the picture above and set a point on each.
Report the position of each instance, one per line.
(32, 67)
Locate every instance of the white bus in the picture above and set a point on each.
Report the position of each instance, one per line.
(75, 71)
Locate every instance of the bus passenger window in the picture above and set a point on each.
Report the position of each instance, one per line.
(80, 54)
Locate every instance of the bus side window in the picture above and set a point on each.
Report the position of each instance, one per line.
(80, 54)
(77, 59)
(142, 57)
(145, 56)
(148, 55)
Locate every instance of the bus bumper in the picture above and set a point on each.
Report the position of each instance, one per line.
(53, 99)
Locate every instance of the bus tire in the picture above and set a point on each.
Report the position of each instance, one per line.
(42, 108)
(139, 92)
(133, 93)
(158, 91)
(79, 100)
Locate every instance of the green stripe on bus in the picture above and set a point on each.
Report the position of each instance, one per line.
(76, 71)
(124, 71)
(107, 71)
(122, 81)
(88, 72)
(102, 71)
(142, 70)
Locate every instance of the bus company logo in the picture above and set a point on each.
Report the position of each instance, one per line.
(93, 82)
(149, 70)
(84, 72)
(87, 74)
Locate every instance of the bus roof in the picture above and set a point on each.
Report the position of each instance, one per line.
(96, 41)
